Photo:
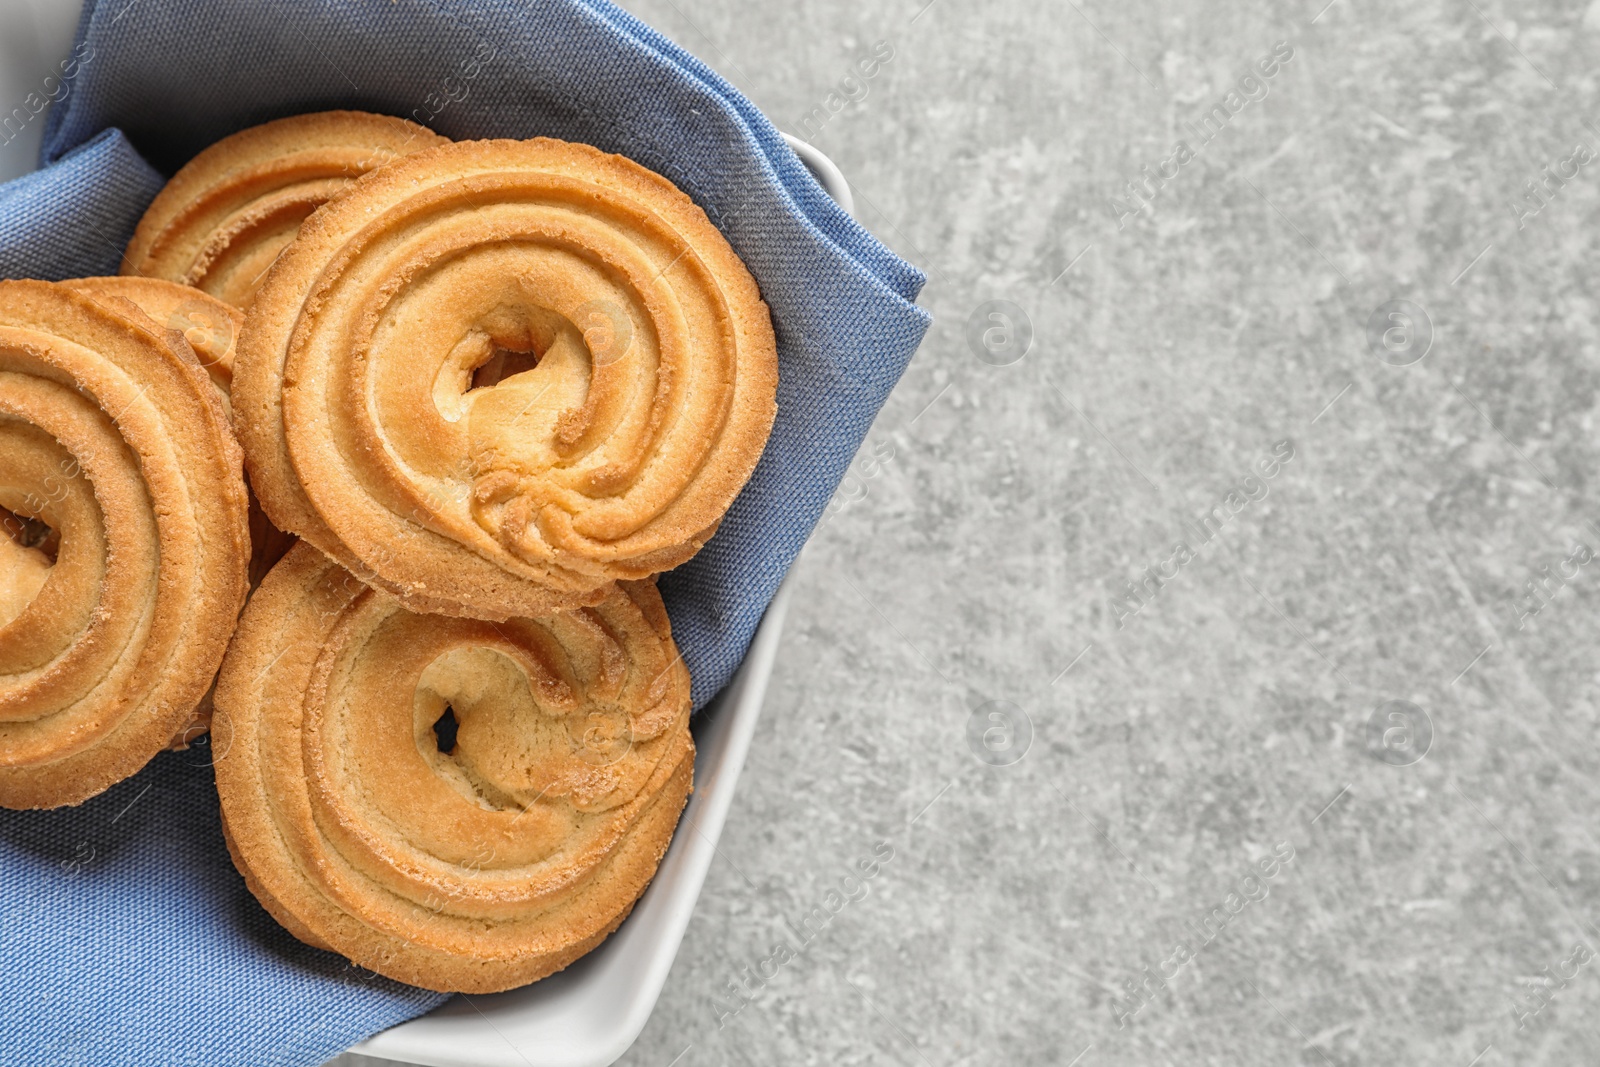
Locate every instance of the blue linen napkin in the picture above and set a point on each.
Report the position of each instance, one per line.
(126, 937)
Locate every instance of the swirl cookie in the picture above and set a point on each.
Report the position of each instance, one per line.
(222, 220)
(122, 492)
(495, 376)
(456, 804)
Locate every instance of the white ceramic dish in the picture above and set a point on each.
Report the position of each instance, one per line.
(589, 1014)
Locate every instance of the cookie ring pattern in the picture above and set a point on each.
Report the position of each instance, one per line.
(209, 326)
(124, 571)
(456, 804)
(221, 221)
(495, 376)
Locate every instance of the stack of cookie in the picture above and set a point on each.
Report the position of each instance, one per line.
(484, 392)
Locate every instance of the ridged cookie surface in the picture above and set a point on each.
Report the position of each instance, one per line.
(222, 219)
(456, 804)
(211, 329)
(496, 376)
(124, 570)
(210, 326)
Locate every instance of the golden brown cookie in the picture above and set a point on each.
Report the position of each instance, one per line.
(210, 326)
(211, 330)
(222, 219)
(495, 376)
(456, 804)
(123, 495)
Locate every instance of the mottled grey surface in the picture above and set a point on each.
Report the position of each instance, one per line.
(999, 513)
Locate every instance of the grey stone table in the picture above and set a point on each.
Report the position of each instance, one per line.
(1208, 632)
